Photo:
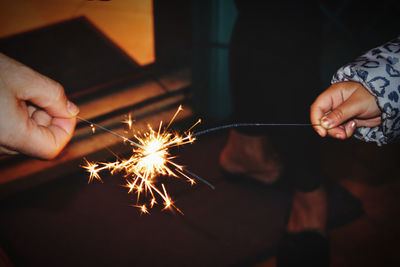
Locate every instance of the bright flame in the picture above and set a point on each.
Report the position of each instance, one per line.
(129, 121)
(148, 161)
(93, 170)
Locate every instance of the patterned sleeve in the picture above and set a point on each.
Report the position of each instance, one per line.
(378, 71)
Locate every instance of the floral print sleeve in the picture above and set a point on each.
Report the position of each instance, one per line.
(378, 71)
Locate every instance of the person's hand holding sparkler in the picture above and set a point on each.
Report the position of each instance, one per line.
(36, 117)
(343, 107)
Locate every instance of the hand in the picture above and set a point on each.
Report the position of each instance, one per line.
(36, 117)
(343, 107)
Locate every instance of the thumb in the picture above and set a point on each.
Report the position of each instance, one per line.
(342, 113)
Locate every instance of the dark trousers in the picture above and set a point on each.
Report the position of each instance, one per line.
(274, 76)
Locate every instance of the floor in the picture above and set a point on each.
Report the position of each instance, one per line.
(237, 224)
(371, 174)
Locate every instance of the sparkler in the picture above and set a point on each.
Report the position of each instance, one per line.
(151, 158)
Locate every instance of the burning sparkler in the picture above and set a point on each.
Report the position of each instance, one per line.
(150, 158)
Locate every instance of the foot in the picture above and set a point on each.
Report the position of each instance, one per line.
(252, 156)
(305, 243)
(309, 211)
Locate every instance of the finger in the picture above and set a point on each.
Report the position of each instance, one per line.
(4, 150)
(318, 109)
(47, 142)
(350, 127)
(347, 110)
(373, 122)
(31, 109)
(337, 132)
(68, 125)
(44, 93)
(42, 118)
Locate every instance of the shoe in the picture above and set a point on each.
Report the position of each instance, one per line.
(306, 248)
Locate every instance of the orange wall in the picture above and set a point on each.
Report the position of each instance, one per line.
(129, 23)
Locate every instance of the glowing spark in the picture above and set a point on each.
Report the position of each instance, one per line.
(153, 202)
(199, 121)
(93, 170)
(150, 158)
(143, 209)
(128, 121)
(191, 180)
(176, 113)
(130, 185)
(92, 127)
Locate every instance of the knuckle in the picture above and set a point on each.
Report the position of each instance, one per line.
(337, 114)
(54, 90)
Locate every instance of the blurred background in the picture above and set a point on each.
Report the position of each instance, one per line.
(144, 58)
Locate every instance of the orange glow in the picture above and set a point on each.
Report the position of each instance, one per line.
(128, 23)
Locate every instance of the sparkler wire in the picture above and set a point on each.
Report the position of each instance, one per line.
(233, 125)
(199, 178)
(111, 132)
(246, 124)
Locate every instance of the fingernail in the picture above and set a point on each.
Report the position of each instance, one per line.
(72, 108)
(339, 136)
(352, 124)
(325, 123)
